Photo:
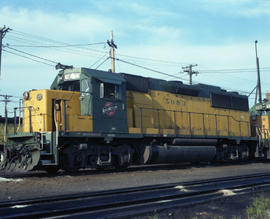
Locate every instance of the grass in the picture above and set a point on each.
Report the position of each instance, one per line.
(153, 216)
(259, 208)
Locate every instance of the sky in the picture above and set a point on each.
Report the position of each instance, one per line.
(217, 35)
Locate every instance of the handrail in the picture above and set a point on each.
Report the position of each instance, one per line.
(189, 119)
(30, 108)
(210, 114)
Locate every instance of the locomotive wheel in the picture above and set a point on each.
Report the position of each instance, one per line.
(117, 164)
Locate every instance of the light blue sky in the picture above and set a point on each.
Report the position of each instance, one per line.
(215, 34)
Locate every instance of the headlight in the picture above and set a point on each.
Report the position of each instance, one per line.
(26, 95)
(39, 97)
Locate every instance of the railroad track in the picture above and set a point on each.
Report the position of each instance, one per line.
(134, 201)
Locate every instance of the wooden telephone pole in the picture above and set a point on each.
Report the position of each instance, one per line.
(3, 32)
(112, 46)
(190, 72)
(259, 89)
(6, 101)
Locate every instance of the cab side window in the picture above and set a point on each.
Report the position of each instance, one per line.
(109, 91)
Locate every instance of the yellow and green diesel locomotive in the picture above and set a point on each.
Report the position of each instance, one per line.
(260, 120)
(95, 119)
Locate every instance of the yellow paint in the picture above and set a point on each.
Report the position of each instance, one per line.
(42, 112)
(265, 126)
(167, 113)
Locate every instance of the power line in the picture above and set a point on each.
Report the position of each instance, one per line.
(149, 69)
(102, 63)
(236, 72)
(54, 46)
(78, 51)
(124, 55)
(29, 54)
(44, 39)
(159, 72)
(98, 60)
(28, 58)
(234, 69)
(65, 45)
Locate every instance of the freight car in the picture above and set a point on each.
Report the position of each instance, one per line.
(91, 118)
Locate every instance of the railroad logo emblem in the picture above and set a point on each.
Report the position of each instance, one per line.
(109, 109)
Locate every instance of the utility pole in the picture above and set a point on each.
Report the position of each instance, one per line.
(190, 72)
(258, 90)
(3, 32)
(6, 101)
(112, 48)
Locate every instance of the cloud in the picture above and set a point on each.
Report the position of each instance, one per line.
(255, 12)
(242, 8)
(58, 25)
(150, 11)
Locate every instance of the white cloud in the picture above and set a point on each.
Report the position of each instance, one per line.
(58, 26)
(243, 8)
(256, 11)
(150, 11)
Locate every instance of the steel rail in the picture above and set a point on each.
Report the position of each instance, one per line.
(96, 204)
(157, 206)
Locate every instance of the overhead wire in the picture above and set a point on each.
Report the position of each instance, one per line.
(151, 59)
(28, 58)
(55, 46)
(102, 63)
(150, 69)
(142, 59)
(234, 69)
(48, 40)
(64, 47)
(29, 54)
(98, 60)
(166, 74)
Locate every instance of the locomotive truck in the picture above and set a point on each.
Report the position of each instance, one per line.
(97, 119)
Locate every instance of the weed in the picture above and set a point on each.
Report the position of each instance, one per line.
(153, 216)
(259, 208)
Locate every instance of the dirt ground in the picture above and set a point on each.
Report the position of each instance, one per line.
(40, 184)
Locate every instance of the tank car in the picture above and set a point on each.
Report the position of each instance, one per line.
(97, 119)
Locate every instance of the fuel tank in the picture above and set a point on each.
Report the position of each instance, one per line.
(195, 142)
(178, 154)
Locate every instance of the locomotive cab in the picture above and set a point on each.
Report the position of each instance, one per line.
(102, 96)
